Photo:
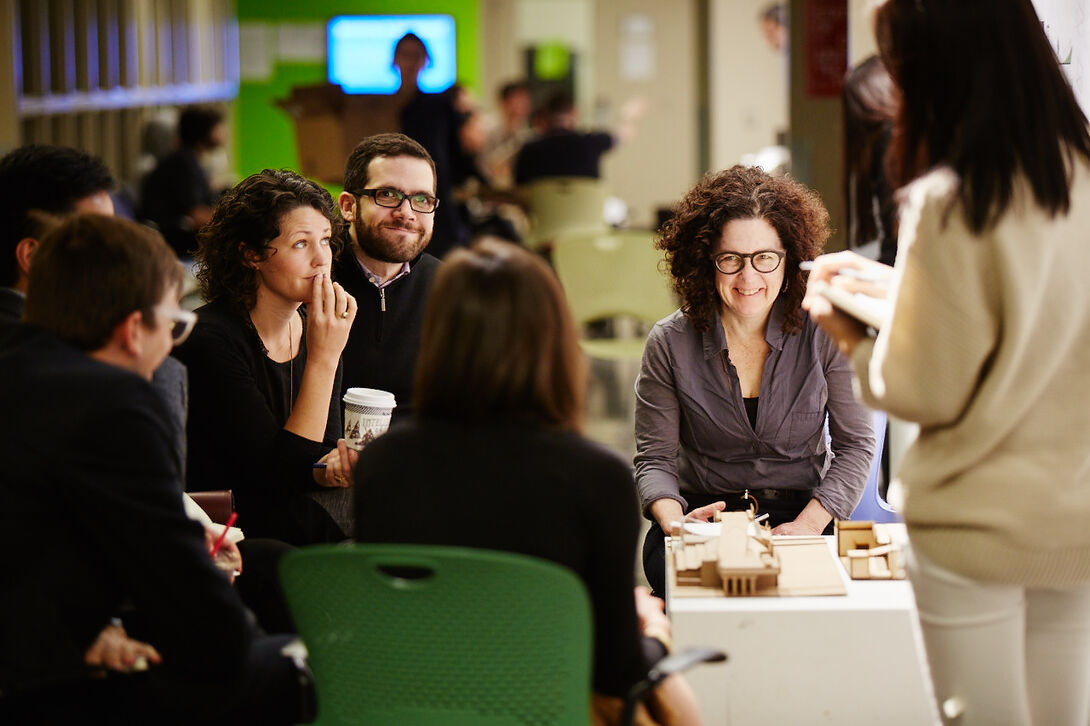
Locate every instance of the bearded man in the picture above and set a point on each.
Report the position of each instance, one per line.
(389, 203)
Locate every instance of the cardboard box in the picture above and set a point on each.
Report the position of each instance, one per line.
(329, 123)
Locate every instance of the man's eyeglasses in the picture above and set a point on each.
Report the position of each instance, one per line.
(763, 261)
(181, 322)
(392, 198)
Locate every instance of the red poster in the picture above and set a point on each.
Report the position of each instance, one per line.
(826, 45)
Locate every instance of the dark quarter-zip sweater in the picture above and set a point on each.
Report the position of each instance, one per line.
(385, 338)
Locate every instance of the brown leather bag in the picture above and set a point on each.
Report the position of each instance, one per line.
(216, 504)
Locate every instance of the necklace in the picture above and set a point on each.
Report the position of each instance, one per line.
(291, 371)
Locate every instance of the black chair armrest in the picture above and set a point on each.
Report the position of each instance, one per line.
(668, 666)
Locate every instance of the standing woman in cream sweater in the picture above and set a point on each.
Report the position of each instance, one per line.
(987, 347)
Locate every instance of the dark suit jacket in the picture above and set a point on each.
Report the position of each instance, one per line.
(11, 306)
(91, 518)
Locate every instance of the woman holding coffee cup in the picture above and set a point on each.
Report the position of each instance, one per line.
(264, 360)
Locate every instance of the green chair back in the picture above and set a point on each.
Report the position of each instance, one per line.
(420, 635)
(565, 205)
(613, 274)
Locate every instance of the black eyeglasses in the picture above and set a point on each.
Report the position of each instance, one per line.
(763, 261)
(392, 198)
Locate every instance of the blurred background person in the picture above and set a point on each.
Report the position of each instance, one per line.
(563, 150)
(986, 348)
(870, 104)
(774, 27)
(508, 133)
(177, 197)
(432, 120)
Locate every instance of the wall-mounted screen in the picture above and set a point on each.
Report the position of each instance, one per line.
(361, 51)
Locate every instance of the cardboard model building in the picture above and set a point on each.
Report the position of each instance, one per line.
(736, 556)
(868, 551)
(741, 560)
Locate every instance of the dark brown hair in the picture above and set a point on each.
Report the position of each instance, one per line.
(244, 222)
(498, 341)
(982, 92)
(92, 271)
(49, 178)
(870, 105)
(356, 168)
(691, 237)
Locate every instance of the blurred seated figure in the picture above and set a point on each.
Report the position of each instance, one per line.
(177, 196)
(494, 458)
(91, 457)
(562, 150)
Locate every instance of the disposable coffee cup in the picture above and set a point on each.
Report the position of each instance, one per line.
(366, 415)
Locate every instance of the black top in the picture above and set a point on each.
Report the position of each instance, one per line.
(751, 410)
(91, 517)
(383, 345)
(515, 487)
(239, 401)
(170, 192)
(562, 153)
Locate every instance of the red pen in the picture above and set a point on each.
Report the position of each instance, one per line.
(223, 534)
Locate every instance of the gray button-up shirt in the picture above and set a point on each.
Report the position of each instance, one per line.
(693, 435)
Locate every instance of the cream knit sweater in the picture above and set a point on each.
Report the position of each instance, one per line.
(988, 349)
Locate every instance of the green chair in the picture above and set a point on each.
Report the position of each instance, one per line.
(564, 205)
(413, 635)
(610, 275)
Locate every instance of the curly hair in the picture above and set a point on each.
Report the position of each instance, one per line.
(244, 222)
(691, 238)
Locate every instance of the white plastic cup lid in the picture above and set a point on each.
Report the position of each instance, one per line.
(372, 397)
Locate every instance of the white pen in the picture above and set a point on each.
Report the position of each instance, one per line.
(853, 273)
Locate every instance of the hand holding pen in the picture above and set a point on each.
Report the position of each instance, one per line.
(225, 554)
(850, 271)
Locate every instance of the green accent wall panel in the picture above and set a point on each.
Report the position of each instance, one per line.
(264, 135)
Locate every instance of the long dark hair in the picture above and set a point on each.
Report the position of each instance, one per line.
(983, 93)
(498, 341)
(870, 104)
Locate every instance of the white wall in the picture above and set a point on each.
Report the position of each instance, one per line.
(1067, 25)
(748, 83)
(625, 48)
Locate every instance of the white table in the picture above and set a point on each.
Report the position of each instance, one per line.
(800, 661)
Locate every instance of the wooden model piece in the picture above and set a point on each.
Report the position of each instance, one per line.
(868, 551)
(741, 559)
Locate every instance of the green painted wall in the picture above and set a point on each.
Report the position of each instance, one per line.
(264, 135)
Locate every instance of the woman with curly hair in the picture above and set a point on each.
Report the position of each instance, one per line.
(736, 386)
(264, 360)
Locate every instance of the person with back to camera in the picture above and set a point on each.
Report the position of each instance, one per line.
(986, 348)
(735, 387)
(494, 451)
(264, 360)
